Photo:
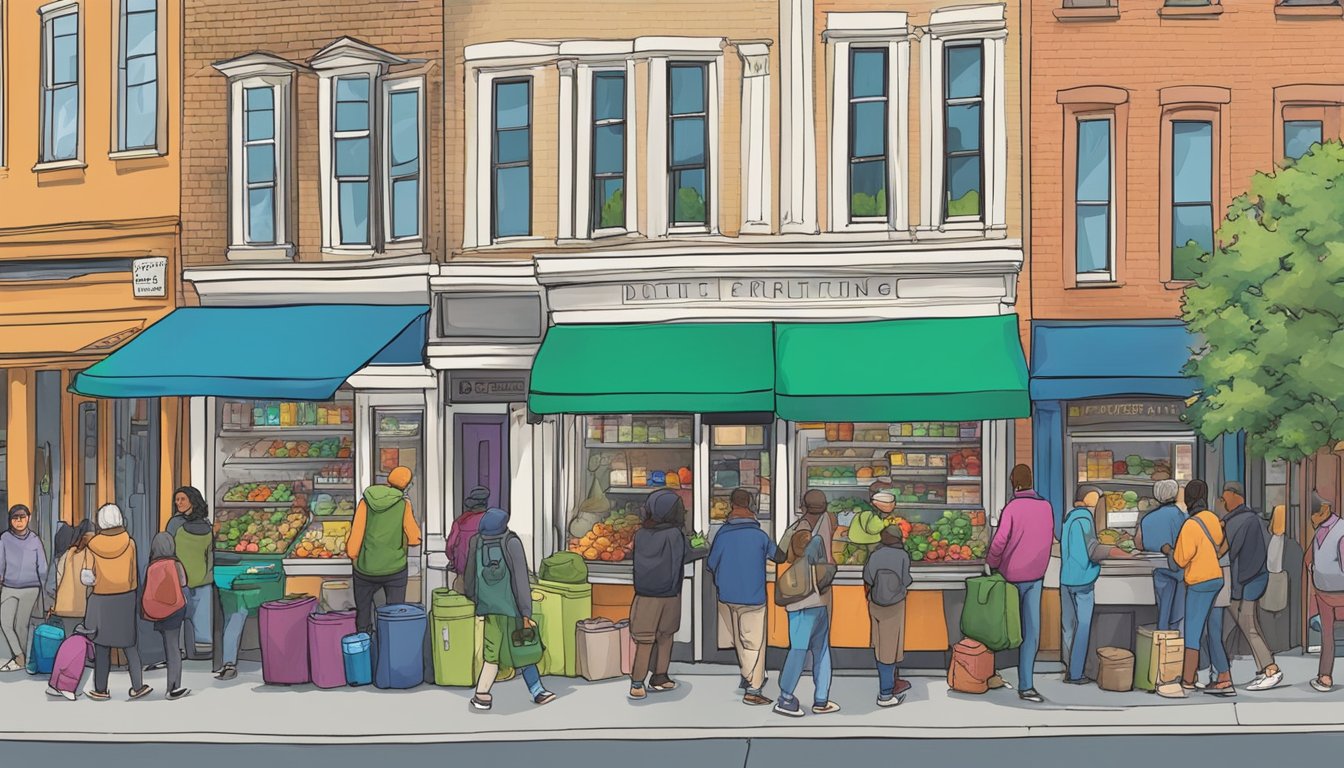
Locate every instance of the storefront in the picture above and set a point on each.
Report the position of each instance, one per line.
(705, 384)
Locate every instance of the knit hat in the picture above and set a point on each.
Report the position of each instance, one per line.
(399, 478)
(662, 505)
(884, 498)
(478, 498)
(814, 501)
(494, 522)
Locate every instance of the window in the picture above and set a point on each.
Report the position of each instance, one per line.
(608, 152)
(868, 126)
(403, 160)
(1191, 195)
(60, 85)
(1300, 135)
(259, 164)
(138, 76)
(351, 149)
(963, 122)
(1094, 221)
(260, 88)
(511, 159)
(688, 129)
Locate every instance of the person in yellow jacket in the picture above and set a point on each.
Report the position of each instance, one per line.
(1200, 545)
(383, 531)
(113, 611)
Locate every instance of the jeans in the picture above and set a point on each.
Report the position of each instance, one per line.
(1169, 588)
(1077, 605)
(233, 635)
(809, 630)
(394, 589)
(533, 679)
(1204, 621)
(886, 680)
(200, 604)
(1029, 595)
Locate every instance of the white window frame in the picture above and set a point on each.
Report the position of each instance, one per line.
(259, 71)
(661, 52)
(845, 31)
(582, 191)
(1075, 124)
(390, 86)
(986, 24)
(478, 216)
(47, 14)
(116, 150)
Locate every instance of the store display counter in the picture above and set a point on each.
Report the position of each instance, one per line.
(1124, 602)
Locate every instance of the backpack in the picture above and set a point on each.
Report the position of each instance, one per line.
(887, 589)
(494, 580)
(972, 666)
(162, 596)
(795, 583)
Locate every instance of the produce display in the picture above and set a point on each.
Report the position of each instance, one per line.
(846, 552)
(848, 505)
(335, 474)
(259, 531)
(258, 492)
(323, 540)
(611, 539)
(957, 535)
(327, 448)
(325, 505)
(1112, 537)
(719, 507)
(1102, 465)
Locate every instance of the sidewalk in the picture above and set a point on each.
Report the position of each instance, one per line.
(706, 706)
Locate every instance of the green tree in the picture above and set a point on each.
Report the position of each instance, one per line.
(1269, 306)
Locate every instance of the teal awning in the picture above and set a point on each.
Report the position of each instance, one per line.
(644, 368)
(944, 369)
(300, 352)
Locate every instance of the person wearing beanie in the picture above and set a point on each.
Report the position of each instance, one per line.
(886, 577)
(1157, 533)
(383, 531)
(737, 558)
(464, 528)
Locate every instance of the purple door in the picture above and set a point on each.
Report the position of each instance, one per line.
(482, 457)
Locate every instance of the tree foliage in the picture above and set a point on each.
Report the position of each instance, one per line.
(1269, 306)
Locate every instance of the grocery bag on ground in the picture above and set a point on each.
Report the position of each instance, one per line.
(1116, 669)
(971, 668)
(991, 613)
(1158, 656)
(598, 646)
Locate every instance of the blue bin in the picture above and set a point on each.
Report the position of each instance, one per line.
(357, 653)
(401, 646)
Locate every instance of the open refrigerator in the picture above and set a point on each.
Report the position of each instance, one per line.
(1125, 467)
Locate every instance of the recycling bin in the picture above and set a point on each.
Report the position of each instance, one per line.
(453, 638)
(561, 607)
(400, 646)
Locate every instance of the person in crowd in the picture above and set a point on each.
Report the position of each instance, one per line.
(1081, 556)
(496, 578)
(1248, 546)
(23, 569)
(866, 529)
(1327, 576)
(112, 613)
(381, 535)
(66, 595)
(465, 527)
(886, 577)
(1157, 533)
(1201, 543)
(660, 551)
(737, 560)
(193, 538)
(816, 520)
(164, 547)
(809, 628)
(1020, 550)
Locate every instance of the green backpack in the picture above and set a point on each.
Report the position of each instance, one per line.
(494, 582)
(564, 568)
(992, 614)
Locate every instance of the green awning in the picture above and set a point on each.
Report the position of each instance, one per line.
(952, 369)
(655, 367)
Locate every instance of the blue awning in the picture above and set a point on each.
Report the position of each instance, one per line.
(1075, 360)
(300, 352)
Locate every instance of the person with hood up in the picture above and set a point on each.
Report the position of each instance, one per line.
(496, 579)
(809, 627)
(464, 528)
(23, 568)
(660, 551)
(383, 531)
(193, 537)
(68, 597)
(113, 610)
(886, 577)
(164, 547)
(737, 560)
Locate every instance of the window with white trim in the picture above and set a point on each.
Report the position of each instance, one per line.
(138, 76)
(688, 143)
(351, 148)
(60, 85)
(511, 158)
(869, 98)
(608, 149)
(260, 161)
(963, 132)
(260, 171)
(1094, 212)
(403, 180)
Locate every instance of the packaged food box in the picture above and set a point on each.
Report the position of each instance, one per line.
(897, 458)
(917, 459)
(610, 431)
(937, 460)
(756, 435)
(730, 435)
(657, 433)
(639, 476)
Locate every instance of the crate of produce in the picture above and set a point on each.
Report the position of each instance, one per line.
(262, 531)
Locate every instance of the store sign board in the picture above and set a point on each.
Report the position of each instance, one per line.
(764, 291)
(488, 387)
(1115, 411)
(149, 278)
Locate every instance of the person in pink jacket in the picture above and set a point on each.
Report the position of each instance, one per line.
(464, 527)
(1020, 551)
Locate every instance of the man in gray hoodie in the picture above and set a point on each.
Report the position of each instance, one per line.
(23, 566)
(661, 549)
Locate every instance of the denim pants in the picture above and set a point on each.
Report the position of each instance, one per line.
(1204, 621)
(233, 635)
(1077, 604)
(200, 604)
(1169, 589)
(809, 630)
(1029, 596)
(533, 679)
(886, 679)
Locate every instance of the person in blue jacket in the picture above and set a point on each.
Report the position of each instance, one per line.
(1081, 556)
(737, 559)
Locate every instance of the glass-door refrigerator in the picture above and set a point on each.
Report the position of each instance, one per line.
(398, 441)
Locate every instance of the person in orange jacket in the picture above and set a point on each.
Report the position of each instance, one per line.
(383, 531)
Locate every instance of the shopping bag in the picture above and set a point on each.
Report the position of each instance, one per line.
(526, 647)
(991, 613)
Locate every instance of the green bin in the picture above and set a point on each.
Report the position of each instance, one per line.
(558, 608)
(455, 639)
(250, 591)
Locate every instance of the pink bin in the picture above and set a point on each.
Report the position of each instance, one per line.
(284, 640)
(325, 660)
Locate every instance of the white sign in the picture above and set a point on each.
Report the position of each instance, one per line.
(831, 290)
(149, 278)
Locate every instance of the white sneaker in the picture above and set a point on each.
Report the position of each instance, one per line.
(1266, 682)
(11, 666)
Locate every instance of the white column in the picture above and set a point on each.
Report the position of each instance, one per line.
(566, 191)
(755, 137)
(997, 214)
(798, 143)
(656, 210)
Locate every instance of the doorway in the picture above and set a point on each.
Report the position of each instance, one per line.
(136, 465)
(480, 457)
(47, 456)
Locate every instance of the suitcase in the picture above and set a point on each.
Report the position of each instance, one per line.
(992, 614)
(357, 658)
(69, 665)
(44, 645)
(283, 625)
(627, 646)
(453, 638)
(326, 661)
(972, 666)
(1158, 657)
(1115, 671)
(597, 646)
(400, 648)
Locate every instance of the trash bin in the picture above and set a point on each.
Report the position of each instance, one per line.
(453, 638)
(284, 639)
(357, 653)
(400, 646)
(326, 659)
(561, 608)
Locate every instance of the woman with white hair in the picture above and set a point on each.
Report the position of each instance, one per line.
(1157, 533)
(111, 617)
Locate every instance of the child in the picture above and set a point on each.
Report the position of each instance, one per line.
(164, 547)
(68, 597)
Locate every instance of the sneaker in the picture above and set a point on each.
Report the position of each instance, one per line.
(156, 666)
(228, 672)
(663, 686)
(1320, 686)
(825, 708)
(1078, 681)
(11, 666)
(1031, 695)
(901, 687)
(177, 693)
(481, 704)
(788, 707)
(637, 692)
(545, 697)
(1223, 690)
(755, 700)
(1172, 691)
(98, 695)
(141, 692)
(893, 700)
(1266, 682)
(55, 694)
(742, 683)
